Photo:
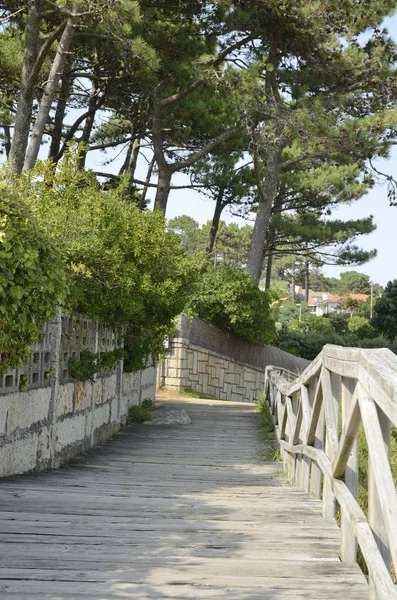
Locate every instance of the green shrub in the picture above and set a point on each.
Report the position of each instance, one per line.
(142, 413)
(228, 297)
(308, 345)
(89, 363)
(124, 268)
(361, 327)
(147, 404)
(385, 311)
(313, 324)
(267, 431)
(32, 278)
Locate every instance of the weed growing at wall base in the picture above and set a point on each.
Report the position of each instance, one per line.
(141, 413)
(267, 432)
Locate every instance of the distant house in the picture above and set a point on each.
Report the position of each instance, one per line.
(324, 306)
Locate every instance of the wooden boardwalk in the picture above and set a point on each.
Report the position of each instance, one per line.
(188, 512)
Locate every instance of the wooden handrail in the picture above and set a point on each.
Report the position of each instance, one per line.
(318, 417)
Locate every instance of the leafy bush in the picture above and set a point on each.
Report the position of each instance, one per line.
(267, 430)
(148, 404)
(308, 345)
(310, 322)
(125, 269)
(361, 327)
(228, 297)
(385, 311)
(139, 414)
(338, 321)
(32, 279)
(89, 363)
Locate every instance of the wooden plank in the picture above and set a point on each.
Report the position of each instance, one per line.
(318, 444)
(349, 443)
(352, 421)
(315, 414)
(380, 578)
(168, 512)
(382, 495)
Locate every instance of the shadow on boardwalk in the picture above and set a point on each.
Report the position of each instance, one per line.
(170, 513)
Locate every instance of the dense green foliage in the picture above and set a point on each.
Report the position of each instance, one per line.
(89, 363)
(124, 268)
(267, 430)
(32, 278)
(309, 344)
(141, 413)
(228, 297)
(202, 87)
(385, 311)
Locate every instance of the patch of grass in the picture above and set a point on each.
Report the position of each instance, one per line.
(142, 413)
(271, 453)
(191, 393)
(267, 432)
(148, 404)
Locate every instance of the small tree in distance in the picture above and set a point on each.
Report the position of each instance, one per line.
(385, 311)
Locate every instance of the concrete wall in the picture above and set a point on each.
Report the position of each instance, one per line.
(55, 418)
(213, 362)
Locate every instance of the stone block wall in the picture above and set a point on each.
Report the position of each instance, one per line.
(211, 374)
(46, 418)
(210, 361)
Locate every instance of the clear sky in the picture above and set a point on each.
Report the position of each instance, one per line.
(381, 269)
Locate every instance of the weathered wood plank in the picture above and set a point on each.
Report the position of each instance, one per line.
(171, 513)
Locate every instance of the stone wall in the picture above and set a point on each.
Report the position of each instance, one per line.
(210, 361)
(46, 418)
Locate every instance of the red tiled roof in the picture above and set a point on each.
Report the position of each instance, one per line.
(343, 297)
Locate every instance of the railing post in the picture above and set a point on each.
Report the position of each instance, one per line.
(375, 513)
(316, 475)
(331, 400)
(306, 461)
(348, 545)
(296, 458)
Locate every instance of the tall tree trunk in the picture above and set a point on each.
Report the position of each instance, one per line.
(307, 281)
(124, 166)
(142, 203)
(269, 268)
(25, 102)
(135, 145)
(49, 93)
(60, 112)
(89, 122)
(7, 140)
(163, 188)
(134, 152)
(266, 198)
(165, 173)
(131, 162)
(219, 206)
(293, 283)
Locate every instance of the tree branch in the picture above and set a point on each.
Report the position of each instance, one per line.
(193, 86)
(44, 50)
(146, 184)
(75, 127)
(195, 156)
(288, 164)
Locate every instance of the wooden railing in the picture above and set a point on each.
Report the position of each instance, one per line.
(345, 394)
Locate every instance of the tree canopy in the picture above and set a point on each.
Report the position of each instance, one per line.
(274, 110)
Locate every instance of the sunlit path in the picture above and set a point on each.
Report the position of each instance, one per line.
(171, 512)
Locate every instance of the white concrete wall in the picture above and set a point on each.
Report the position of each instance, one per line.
(58, 418)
